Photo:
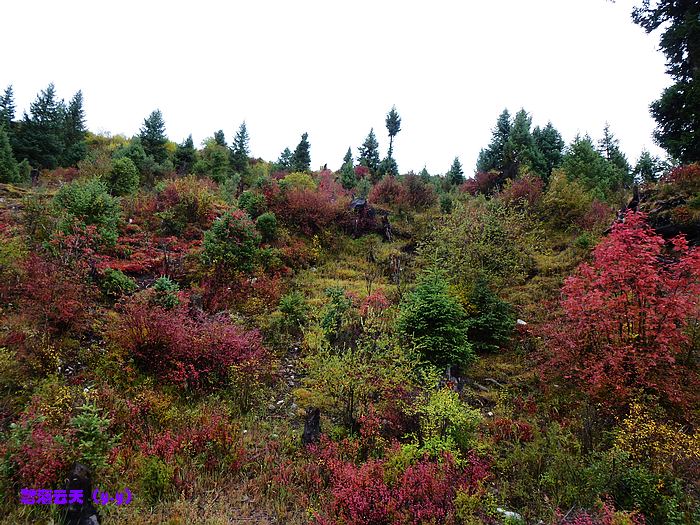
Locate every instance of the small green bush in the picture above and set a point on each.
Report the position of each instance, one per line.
(267, 226)
(156, 478)
(93, 437)
(166, 293)
(115, 283)
(491, 319)
(123, 178)
(253, 203)
(232, 242)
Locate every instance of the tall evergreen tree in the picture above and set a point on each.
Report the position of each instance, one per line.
(677, 112)
(455, 175)
(9, 171)
(491, 157)
(74, 130)
(582, 162)
(284, 163)
(519, 148)
(153, 138)
(301, 158)
(7, 108)
(38, 137)
(393, 126)
(550, 145)
(424, 175)
(240, 150)
(185, 156)
(347, 171)
(648, 168)
(609, 148)
(220, 138)
(369, 153)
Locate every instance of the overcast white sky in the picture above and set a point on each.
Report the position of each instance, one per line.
(334, 69)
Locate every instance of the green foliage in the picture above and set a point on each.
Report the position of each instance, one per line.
(566, 201)
(185, 156)
(301, 158)
(583, 164)
(156, 478)
(298, 181)
(240, 150)
(550, 145)
(348, 179)
(491, 157)
(294, 311)
(214, 161)
(253, 203)
(94, 441)
(435, 323)
(491, 319)
(123, 178)
(369, 153)
(114, 284)
(232, 242)
(73, 137)
(267, 226)
(336, 313)
(87, 202)
(153, 139)
(455, 175)
(166, 292)
(284, 163)
(648, 168)
(9, 171)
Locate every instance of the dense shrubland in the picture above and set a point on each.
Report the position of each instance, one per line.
(501, 348)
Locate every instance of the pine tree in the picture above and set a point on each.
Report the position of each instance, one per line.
(9, 171)
(388, 167)
(455, 175)
(74, 146)
(550, 145)
(348, 178)
(583, 163)
(153, 139)
(609, 148)
(369, 153)
(424, 175)
(240, 151)
(301, 158)
(185, 156)
(677, 112)
(491, 157)
(393, 126)
(220, 138)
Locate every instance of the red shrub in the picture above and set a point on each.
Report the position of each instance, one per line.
(482, 182)
(60, 175)
(525, 190)
(196, 352)
(623, 317)
(417, 194)
(375, 303)
(307, 210)
(598, 216)
(331, 188)
(511, 430)
(687, 177)
(388, 191)
(54, 295)
(361, 172)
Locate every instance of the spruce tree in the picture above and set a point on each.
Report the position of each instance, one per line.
(185, 156)
(550, 145)
(153, 139)
(583, 163)
(609, 148)
(220, 138)
(455, 175)
(491, 157)
(38, 137)
(7, 108)
(284, 163)
(648, 168)
(393, 126)
(347, 172)
(240, 151)
(424, 175)
(301, 158)
(677, 112)
(519, 148)
(369, 153)
(9, 171)
(74, 146)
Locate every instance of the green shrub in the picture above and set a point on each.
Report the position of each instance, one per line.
(115, 283)
(123, 178)
(87, 202)
(232, 242)
(267, 226)
(298, 181)
(446, 204)
(166, 293)
(92, 433)
(294, 311)
(156, 478)
(435, 323)
(491, 319)
(253, 203)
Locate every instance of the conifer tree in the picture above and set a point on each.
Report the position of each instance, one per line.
(284, 163)
(38, 137)
(519, 148)
(550, 145)
(74, 146)
(301, 158)
(240, 150)
(7, 109)
(491, 157)
(424, 175)
(185, 156)
(220, 138)
(648, 168)
(369, 153)
(9, 171)
(347, 172)
(609, 148)
(393, 126)
(455, 175)
(153, 139)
